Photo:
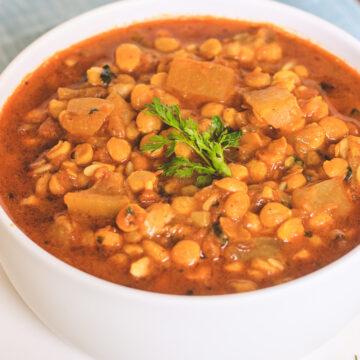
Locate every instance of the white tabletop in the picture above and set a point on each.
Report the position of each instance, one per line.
(24, 337)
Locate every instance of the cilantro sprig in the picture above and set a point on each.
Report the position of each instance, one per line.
(208, 145)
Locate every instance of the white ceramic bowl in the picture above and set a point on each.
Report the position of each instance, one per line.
(109, 321)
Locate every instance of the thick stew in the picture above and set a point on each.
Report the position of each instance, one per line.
(187, 156)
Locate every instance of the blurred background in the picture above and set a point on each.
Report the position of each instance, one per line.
(22, 21)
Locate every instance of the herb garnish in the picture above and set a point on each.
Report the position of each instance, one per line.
(287, 204)
(348, 174)
(308, 233)
(219, 233)
(208, 145)
(217, 229)
(339, 237)
(100, 239)
(355, 112)
(161, 190)
(326, 86)
(107, 74)
(129, 211)
(320, 153)
(297, 159)
(93, 110)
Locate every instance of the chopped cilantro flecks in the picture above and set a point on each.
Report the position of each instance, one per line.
(107, 75)
(161, 190)
(129, 211)
(93, 110)
(339, 237)
(355, 112)
(100, 239)
(320, 153)
(217, 229)
(326, 86)
(203, 180)
(219, 233)
(297, 159)
(348, 174)
(308, 233)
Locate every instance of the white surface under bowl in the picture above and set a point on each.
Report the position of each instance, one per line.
(110, 321)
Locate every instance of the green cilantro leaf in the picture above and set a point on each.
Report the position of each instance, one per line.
(208, 145)
(107, 75)
(93, 110)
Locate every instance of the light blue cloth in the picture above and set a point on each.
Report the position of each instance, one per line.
(22, 21)
(343, 13)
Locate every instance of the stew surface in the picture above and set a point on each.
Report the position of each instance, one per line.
(187, 156)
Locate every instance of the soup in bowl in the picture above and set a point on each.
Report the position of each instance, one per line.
(188, 156)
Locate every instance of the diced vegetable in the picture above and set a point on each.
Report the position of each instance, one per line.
(275, 106)
(158, 215)
(103, 200)
(121, 116)
(200, 81)
(324, 195)
(94, 205)
(80, 119)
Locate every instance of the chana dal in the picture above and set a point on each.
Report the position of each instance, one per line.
(83, 177)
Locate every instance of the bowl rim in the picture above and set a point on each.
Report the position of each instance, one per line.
(137, 294)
